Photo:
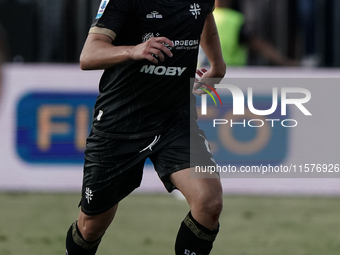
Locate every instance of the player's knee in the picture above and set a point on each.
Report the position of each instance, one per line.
(211, 206)
(91, 234)
(214, 208)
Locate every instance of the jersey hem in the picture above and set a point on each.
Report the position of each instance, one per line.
(125, 136)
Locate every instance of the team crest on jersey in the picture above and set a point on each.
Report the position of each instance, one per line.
(102, 8)
(195, 10)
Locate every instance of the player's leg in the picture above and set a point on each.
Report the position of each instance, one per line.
(98, 208)
(204, 196)
(200, 227)
(93, 227)
(112, 170)
(177, 151)
(84, 235)
(173, 155)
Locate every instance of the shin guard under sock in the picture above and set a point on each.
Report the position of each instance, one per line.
(76, 245)
(193, 238)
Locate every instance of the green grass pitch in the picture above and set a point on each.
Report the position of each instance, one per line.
(35, 224)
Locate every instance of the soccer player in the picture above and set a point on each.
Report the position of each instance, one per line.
(146, 109)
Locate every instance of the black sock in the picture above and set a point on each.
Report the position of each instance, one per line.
(193, 238)
(76, 245)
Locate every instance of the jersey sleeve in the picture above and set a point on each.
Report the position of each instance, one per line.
(212, 7)
(111, 16)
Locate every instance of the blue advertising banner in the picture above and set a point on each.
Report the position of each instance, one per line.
(52, 127)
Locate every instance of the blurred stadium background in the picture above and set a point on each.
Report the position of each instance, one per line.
(55, 30)
(46, 107)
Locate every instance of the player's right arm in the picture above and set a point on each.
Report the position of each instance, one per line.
(99, 52)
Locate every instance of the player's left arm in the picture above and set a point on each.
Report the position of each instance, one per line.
(210, 43)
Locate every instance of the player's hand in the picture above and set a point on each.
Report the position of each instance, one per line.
(201, 81)
(152, 48)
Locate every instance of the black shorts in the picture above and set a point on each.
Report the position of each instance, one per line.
(113, 167)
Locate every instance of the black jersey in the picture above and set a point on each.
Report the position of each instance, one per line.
(139, 98)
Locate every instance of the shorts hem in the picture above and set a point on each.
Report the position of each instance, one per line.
(169, 186)
(90, 213)
(177, 169)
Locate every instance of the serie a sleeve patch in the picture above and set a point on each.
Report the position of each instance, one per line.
(102, 8)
